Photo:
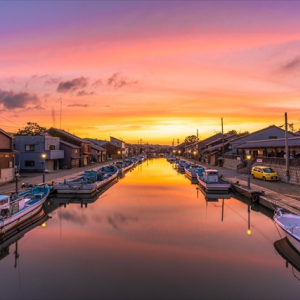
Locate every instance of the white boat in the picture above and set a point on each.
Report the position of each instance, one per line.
(90, 182)
(290, 226)
(209, 179)
(18, 208)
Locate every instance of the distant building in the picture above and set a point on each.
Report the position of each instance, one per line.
(122, 145)
(112, 151)
(7, 157)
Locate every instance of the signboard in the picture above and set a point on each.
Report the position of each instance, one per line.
(238, 158)
(259, 160)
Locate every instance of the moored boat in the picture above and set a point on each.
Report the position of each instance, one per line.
(89, 182)
(191, 171)
(290, 226)
(18, 208)
(209, 179)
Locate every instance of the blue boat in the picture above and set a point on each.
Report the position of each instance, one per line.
(16, 209)
(88, 183)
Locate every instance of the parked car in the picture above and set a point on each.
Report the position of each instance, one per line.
(264, 173)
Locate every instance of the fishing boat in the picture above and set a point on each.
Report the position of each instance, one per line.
(290, 226)
(209, 179)
(89, 182)
(180, 165)
(191, 171)
(16, 209)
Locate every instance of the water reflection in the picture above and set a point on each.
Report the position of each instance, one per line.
(150, 237)
(14, 236)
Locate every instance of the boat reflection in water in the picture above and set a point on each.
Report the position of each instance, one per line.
(82, 199)
(215, 197)
(14, 236)
(289, 253)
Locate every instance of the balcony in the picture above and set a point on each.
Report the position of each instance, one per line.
(55, 154)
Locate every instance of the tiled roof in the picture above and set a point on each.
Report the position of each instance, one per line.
(292, 142)
(69, 144)
(76, 138)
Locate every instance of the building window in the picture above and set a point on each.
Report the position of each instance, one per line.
(29, 147)
(51, 147)
(29, 163)
(272, 137)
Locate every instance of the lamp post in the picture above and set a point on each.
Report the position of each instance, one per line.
(195, 152)
(119, 152)
(248, 157)
(179, 151)
(16, 178)
(43, 162)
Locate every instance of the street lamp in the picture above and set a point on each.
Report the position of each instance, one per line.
(119, 152)
(195, 152)
(179, 151)
(16, 178)
(248, 157)
(43, 162)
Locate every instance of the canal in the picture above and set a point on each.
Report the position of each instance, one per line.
(151, 235)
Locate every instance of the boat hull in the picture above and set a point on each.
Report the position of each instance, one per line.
(214, 186)
(289, 225)
(81, 188)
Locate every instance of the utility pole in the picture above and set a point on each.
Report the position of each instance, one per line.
(287, 154)
(222, 136)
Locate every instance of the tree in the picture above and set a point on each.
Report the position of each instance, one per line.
(191, 139)
(232, 132)
(32, 129)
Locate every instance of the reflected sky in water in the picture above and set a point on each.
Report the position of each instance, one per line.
(150, 236)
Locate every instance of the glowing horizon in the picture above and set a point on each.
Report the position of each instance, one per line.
(155, 71)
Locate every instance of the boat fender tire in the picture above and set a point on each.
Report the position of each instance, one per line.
(255, 197)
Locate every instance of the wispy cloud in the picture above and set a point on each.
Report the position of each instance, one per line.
(97, 83)
(84, 93)
(78, 105)
(117, 81)
(292, 65)
(12, 100)
(72, 85)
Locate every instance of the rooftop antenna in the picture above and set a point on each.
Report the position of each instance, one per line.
(60, 114)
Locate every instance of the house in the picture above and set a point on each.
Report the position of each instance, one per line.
(111, 151)
(72, 156)
(201, 146)
(122, 145)
(270, 133)
(7, 157)
(30, 150)
(264, 143)
(85, 146)
(98, 153)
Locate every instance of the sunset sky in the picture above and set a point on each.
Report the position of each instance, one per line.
(150, 70)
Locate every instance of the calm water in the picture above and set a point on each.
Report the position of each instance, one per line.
(151, 235)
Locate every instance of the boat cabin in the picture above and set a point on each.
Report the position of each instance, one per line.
(210, 176)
